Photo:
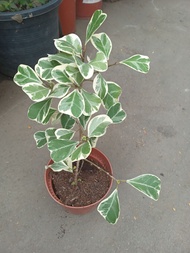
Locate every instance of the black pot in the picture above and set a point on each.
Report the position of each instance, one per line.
(29, 40)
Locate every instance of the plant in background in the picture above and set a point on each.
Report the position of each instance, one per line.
(77, 84)
(19, 5)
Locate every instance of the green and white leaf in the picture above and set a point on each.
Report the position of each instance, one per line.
(59, 166)
(70, 44)
(84, 120)
(72, 104)
(140, 63)
(39, 111)
(148, 184)
(40, 139)
(61, 149)
(44, 68)
(61, 58)
(67, 121)
(26, 75)
(74, 74)
(93, 141)
(98, 125)
(81, 152)
(102, 43)
(59, 74)
(116, 113)
(59, 90)
(85, 69)
(99, 63)
(50, 134)
(64, 134)
(109, 208)
(49, 115)
(100, 86)
(91, 103)
(95, 22)
(113, 94)
(36, 92)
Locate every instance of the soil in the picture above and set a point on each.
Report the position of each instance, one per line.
(91, 187)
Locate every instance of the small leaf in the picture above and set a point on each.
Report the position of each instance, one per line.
(36, 92)
(116, 113)
(49, 115)
(44, 68)
(26, 75)
(99, 63)
(95, 22)
(61, 149)
(102, 43)
(64, 134)
(113, 94)
(59, 74)
(72, 104)
(59, 166)
(39, 111)
(91, 102)
(84, 120)
(61, 58)
(59, 90)
(98, 125)
(140, 63)
(148, 184)
(67, 121)
(85, 69)
(109, 208)
(74, 74)
(40, 139)
(70, 44)
(81, 152)
(50, 134)
(100, 86)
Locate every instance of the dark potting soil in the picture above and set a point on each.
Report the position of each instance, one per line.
(92, 185)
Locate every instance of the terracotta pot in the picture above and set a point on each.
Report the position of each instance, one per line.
(85, 9)
(95, 156)
(67, 16)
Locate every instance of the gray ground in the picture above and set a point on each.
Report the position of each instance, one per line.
(153, 139)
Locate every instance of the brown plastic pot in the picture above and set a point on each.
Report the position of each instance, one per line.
(85, 10)
(97, 157)
(67, 16)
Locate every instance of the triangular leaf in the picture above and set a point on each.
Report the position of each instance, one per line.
(36, 92)
(98, 125)
(61, 58)
(109, 208)
(81, 152)
(59, 166)
(74, 74)
(44, 68)
(64, 134)
(91, 103)
(40, 139)
(50, 134)
(72, 104)
(67, 121)
(95, 22)
(84, 120)
(59, 74)
(99, 63)
(113, 94)
(102, 43)
(85, 69)
(140, 63)
(148, 184)
(100, 86)
(116, 113)
(59, 90)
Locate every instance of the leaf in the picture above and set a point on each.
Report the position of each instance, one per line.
(44, 68)
(26, 75)
(102, 43)
(100, 86)
(140, 63)
(84, 120)
(98, 125)
(148, 184)
(40, 139)
(95, 22)
(85, 69)
(59, 166)
(91, 103)
(72, 104)
(70, 44)
(50, 134)
(67, 121)
(39, 111)
(61, 149)
(74, 74)
(109, 208)
(61, 58)
(49, 115)
(113, 94)
(59, 90)
(59, 74)
(116, 113)
(99, 63)
(64, 134)
(36, 92)
(81, 152)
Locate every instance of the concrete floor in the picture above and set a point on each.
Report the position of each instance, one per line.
(153, 139)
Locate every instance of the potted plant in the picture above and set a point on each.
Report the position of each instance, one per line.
(86, 104)
(27, 31)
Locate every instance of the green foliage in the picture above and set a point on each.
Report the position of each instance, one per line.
(19, 5)
(63, 80)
